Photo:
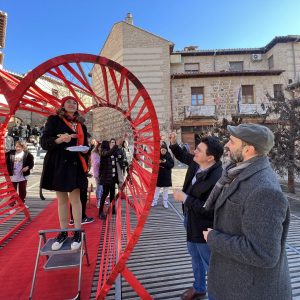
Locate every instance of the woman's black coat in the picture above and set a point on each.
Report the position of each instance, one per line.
(62, 169)
(105, 171)
(164, 178)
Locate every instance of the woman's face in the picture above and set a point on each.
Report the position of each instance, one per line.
(163, 151)
(18, 148)
(112, 143)
(70, 106)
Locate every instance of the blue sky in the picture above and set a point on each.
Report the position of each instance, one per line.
(39, 30)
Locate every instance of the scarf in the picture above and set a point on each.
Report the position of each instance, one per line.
(231, 171)
(80, 141)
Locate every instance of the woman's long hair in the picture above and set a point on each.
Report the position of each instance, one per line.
(125, 144)
(105, 145)
(97, 148)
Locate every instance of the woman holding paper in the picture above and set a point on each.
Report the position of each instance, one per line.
(65, 169)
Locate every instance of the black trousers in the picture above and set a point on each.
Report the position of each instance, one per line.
(107, 189)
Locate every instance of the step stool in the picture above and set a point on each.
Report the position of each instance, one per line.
(63, 258)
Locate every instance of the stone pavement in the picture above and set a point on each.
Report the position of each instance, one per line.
(160, 259)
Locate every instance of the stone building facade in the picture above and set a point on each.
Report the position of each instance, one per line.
(147, 56)
(194, 89)
(230, 83)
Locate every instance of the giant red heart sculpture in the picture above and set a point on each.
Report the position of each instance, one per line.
(96, 82)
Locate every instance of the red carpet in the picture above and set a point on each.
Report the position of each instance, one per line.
(17, 260)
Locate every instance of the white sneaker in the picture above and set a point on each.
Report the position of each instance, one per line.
(76, 240)
(165, 204)
(12, 211)
(26, 206)
(59, 240)
(154, 203)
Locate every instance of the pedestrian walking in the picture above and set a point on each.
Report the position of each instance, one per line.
(164, 179)
(95, 166)
(108, 175)
(19, 162)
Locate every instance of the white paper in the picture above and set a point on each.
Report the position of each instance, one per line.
(79, 148)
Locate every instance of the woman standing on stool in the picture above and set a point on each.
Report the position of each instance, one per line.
(65, 171)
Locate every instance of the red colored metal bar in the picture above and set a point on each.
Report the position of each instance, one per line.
(8, 194)
(115, 87)
(141, 291)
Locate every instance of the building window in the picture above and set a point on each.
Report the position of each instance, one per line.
(277, 88)
(236, 65)
(247, 94)
(197, 95)
(55, 93)
(271, 62)
(191, 67)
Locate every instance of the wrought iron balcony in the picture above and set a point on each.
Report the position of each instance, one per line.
(252, 109)
(199, 111)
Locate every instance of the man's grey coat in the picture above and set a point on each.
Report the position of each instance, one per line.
(248, 259)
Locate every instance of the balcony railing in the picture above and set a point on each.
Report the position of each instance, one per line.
(252, 109)
(200, 111)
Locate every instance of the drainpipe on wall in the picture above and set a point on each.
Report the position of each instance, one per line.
(215, 60)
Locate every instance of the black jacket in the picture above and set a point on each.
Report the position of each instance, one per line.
(28, 161)
(105, 171)
(197, 218)
(164, 178)
(62, 170)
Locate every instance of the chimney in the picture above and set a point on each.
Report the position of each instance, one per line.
(129, 19)
(191, 48)
(3, 19)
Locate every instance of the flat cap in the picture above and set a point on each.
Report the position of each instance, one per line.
(261, 137)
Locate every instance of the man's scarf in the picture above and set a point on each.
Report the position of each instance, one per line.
(80, 141)
(230, 172)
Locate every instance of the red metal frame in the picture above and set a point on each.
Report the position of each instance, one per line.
(8, 194)
(130, 99)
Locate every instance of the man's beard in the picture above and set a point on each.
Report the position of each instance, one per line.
(236, 157)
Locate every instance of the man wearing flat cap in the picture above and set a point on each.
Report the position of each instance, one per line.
(251, 220)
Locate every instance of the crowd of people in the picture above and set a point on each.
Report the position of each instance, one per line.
(236, 217)
(25, 132)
